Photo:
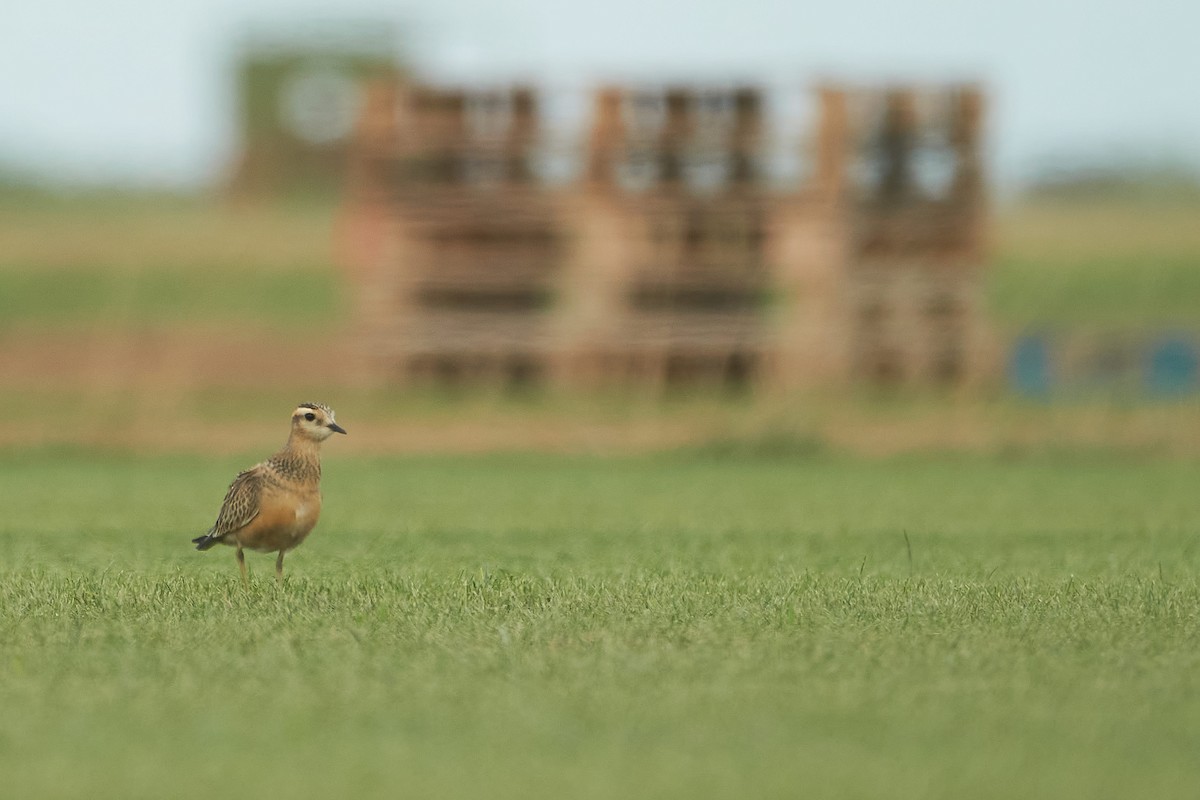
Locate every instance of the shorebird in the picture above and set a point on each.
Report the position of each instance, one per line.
(273, 506)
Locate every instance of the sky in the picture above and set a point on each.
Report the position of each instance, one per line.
(141, 91)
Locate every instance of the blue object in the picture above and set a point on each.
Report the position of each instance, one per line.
(1171, 367)
(1029, 371)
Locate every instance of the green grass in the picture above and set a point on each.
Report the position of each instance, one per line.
(1125, 293)
(151, 260)
(132, 260)
(703, 625)
(1100, 264)
(116, 297)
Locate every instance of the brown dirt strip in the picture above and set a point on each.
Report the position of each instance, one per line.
(146, 391)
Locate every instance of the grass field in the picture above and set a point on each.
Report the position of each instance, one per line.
(125, 319)
(752, 613)
(114, 262)
(150, 261)
(679, 625)
(1105, 264)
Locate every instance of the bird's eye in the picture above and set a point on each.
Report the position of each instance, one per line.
(310, 417)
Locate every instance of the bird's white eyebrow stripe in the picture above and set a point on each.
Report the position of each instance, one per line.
(315, 407)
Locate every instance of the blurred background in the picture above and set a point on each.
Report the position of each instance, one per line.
(869, 226)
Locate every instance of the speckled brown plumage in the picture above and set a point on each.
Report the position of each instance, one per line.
(274, 505)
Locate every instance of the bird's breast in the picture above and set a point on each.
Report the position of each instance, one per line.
(284, 520)
(307, 513)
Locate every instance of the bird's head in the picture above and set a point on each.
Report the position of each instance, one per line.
(314, 421)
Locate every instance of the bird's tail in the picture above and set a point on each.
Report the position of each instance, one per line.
(206, 541)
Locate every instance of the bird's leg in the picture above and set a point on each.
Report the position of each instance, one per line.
(241, 558)
(279, 569)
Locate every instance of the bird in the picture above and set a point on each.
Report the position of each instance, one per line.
(274, 505)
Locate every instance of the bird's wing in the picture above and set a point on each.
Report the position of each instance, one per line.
(241, 503)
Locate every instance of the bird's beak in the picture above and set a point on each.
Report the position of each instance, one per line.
(333, 426)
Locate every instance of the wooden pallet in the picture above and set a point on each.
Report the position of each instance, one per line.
(478, 269)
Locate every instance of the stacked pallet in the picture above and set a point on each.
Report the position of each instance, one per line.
(670, 272)
(916, 244)
(463, 245)
(674, 256)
